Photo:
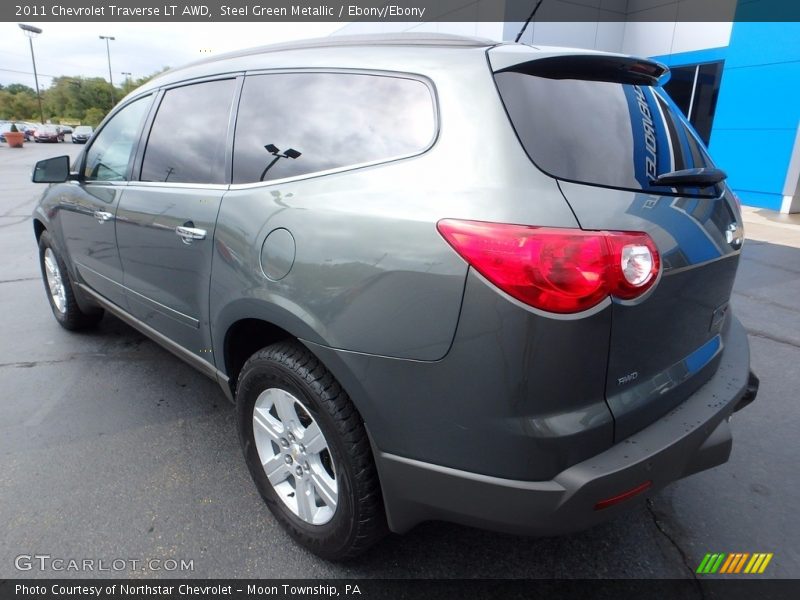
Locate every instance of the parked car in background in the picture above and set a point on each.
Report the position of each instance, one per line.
(6, 126)
(48, 133)
(81, 134)
(30, 129)
(527, 339)
(65, 129)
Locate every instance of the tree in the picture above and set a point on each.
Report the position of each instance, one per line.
(18, 88)
(72, 99)
(20, 106)
(5, 105)
(93, 116)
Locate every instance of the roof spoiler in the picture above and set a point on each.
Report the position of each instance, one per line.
(595, 67)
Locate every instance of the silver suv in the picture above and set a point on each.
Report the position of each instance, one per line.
(440, 277)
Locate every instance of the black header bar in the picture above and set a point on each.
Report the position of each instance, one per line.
(399, 10)
(743, 588)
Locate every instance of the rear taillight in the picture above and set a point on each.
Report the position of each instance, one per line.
(557, 270)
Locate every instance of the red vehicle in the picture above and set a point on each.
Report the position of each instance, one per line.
(48, 133)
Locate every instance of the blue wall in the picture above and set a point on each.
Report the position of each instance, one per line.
(758, 109)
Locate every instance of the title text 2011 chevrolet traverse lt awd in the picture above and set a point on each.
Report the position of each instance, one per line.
(441, 278)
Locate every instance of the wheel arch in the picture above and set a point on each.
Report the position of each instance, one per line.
(247, 325)
(242, 326)
(38, 228)
(245, 337)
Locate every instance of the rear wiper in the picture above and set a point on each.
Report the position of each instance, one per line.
(703, 177)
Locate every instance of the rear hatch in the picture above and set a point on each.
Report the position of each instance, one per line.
(601, 125)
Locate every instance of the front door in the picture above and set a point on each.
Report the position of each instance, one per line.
(88, 206)
(166, 219)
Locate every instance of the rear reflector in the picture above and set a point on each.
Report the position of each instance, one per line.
(623, 496)
(553, 269)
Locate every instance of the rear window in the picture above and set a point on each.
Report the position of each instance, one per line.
(609, 134)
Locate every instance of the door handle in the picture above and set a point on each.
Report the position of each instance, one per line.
(102, 216)
(190, 234)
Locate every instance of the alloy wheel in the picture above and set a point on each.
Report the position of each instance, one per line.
(295, 456)
(55, 282)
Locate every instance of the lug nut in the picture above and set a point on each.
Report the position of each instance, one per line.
(299, 471)
(284, 443)
(291, 437)
(302, 448)
(287, 459)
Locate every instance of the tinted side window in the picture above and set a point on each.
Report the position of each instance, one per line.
(108, 157)
(187, 140)
(680, 87)
(695, 89)
(295, 124)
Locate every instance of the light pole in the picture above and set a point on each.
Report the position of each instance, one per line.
(275, 151)
(108, 38)
(127, 76)
(32, 32)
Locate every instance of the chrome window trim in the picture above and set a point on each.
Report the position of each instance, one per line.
(202, 79)
(179, 185)
(99, 183)
(315, 174)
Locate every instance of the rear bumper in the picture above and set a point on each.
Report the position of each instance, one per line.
(694, 436)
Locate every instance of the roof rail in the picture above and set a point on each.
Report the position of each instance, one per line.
(338, 41)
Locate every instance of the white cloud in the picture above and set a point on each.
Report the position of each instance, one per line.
(139, 48)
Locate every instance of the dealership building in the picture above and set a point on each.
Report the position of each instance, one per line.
(737, 81)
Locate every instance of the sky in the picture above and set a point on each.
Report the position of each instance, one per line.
(139, 48)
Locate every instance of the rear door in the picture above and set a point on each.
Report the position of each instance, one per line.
(605, 133)
(166, 219)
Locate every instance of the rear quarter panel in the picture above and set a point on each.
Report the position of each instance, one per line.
(371, 273)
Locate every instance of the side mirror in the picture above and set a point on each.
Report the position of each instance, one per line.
(51, 170)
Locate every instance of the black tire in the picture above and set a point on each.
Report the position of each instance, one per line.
(359, 520)
(72, 317)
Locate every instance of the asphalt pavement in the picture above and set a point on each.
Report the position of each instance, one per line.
(111, 448)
